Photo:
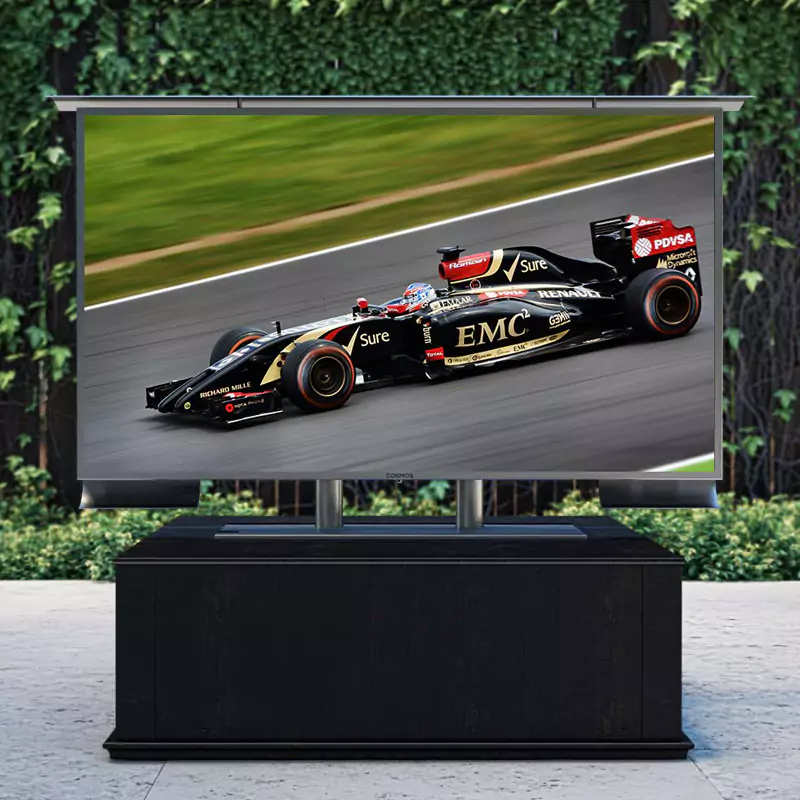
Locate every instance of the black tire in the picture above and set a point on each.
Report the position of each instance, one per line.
(662, 304)
(318, 375)
(232, 340)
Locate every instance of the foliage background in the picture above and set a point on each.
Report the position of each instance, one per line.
(403, 47)
(744, 540)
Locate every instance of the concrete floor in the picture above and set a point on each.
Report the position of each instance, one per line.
(742, 709)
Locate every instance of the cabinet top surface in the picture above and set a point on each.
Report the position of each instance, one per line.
(192, 540)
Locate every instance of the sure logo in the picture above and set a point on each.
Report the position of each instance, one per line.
(533, 266)
(369, 339)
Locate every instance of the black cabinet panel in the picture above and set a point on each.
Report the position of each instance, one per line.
(258, 647)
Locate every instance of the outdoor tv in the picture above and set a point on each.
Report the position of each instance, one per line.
(456, 288)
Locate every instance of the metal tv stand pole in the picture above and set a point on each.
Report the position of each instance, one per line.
(329, 506)
(469, 506)
(469, 521)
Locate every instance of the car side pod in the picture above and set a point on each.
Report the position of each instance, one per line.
(659, 494)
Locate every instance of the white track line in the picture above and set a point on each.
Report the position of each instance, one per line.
(382, 237)
(687, 462)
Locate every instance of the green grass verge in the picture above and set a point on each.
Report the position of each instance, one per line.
(154, 181)
(184, 267)
(700, 466)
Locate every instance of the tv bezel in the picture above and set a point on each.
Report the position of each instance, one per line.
(713, 106)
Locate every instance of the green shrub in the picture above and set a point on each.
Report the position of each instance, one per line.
(428, 501)
(743, 540)
(40, 540)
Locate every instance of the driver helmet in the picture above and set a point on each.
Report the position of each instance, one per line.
(418, 293)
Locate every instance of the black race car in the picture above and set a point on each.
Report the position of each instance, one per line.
(510, 303)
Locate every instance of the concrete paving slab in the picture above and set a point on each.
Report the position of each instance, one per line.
(535, 780)
(742, 708)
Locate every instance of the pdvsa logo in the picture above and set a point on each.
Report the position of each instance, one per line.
(643, 247)
(677, 240)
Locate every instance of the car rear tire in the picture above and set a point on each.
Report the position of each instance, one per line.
(231, 341)
(318, 375)
(662, 303)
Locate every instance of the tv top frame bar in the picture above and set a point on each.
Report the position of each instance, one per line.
(442, 103)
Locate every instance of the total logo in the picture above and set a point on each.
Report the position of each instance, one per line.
(435, 355)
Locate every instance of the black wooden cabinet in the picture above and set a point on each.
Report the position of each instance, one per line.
(422, 648)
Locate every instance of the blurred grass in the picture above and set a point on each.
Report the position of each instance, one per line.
(183, 267)
(153, 181)
(700, 466)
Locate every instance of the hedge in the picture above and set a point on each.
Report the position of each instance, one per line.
(744, 540)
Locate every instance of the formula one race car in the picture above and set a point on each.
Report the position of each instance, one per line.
(510, 303)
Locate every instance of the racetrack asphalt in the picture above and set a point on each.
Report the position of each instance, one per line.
(619, 407)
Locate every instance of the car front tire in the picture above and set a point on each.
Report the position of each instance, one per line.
(318, 375)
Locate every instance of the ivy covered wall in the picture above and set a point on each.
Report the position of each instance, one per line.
(410, 47)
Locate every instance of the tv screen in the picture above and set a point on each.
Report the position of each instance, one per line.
(372, 295)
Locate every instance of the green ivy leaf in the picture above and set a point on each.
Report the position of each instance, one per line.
(37, 337)
(757, 234)
(6, 379)
(751, 278)
(733, 336)
(730, 257)
(59, 357)
(55, 155)
(10, 321)
(25, 236)
(49, 209)
(785, 397)
(752, 443)
(770, 194)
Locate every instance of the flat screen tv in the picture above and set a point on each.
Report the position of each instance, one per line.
(359, 289)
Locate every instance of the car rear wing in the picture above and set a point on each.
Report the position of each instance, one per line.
(633, 244)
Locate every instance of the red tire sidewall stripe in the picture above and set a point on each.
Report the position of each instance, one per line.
(657, 286)
(301, 375)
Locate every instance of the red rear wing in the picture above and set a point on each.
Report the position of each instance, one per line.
(653, 237)
(632, 244)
